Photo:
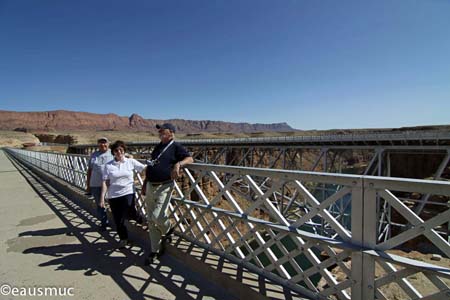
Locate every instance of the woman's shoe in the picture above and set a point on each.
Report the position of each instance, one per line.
(122, 244)
(150, 258)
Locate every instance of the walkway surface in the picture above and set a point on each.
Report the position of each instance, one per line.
(47, 241)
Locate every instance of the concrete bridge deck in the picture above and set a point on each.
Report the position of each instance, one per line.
(50, 241)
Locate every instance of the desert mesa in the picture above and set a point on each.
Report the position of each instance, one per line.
(63, 120)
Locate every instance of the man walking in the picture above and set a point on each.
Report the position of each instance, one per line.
(167, 159)
(94, 177)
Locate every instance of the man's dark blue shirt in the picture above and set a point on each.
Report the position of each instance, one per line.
(161, 171)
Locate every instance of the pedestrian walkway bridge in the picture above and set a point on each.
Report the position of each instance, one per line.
(241, 232)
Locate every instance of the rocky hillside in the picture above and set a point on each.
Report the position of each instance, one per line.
(17, 139)
(62, 120)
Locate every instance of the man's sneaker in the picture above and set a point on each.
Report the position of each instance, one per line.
(171, 230)
(168, 236)
(162, 249)
(122, 244)
(150, 258)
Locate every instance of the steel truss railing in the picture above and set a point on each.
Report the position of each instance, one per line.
(273, 223)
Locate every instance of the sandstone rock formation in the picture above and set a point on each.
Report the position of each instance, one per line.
(61, 120)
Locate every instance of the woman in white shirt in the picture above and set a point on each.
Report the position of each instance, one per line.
(118, 185)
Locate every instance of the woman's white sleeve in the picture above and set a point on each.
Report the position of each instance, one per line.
(138, 167)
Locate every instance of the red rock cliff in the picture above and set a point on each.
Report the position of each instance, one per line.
(62, 120)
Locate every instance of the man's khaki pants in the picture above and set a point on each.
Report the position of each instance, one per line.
(157, 202)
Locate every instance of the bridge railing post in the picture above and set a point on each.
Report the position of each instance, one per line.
(363, 224)
(370, 203)
(357, 238)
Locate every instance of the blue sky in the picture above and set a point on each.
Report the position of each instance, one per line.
(313, 64)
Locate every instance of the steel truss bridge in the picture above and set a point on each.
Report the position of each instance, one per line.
(324, 235)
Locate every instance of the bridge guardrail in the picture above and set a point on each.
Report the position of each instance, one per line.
(326, 247)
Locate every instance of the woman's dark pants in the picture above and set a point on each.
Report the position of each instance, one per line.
(119, 208)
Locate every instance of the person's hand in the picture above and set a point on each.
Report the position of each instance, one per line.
(175, 171)
(102, 203)
(144, 189)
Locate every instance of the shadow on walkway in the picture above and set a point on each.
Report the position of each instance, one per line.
(96, 253)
